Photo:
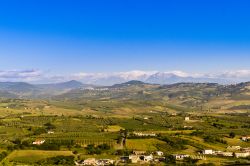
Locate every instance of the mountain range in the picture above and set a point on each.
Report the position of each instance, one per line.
(153, 78)
(190, 95)
(102, 81)
(27, 90)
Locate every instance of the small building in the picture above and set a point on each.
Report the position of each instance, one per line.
(187, 118)
(147, 158)
(226, 154)
(89, 161)
(245, 138)
(38, 142)
(140, 134)
(209, 151)
(134, 158)
(105, 162)
(159, 153)
(242, 155)
(51, 132)
(174, 114)
(180, 156)
(217, 152)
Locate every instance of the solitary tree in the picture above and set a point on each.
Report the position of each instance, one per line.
(232, 135)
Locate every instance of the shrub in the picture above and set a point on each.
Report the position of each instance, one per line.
(232, 135)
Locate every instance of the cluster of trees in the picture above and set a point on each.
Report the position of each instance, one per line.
(213, 139)
(232, 134)
(18, 144)
(218, 125)
(47, 146)
(123, 152)
(56, 144)
(92, 149)
(38, 131)
(42, 130)
(197, 133)
(58, 160)
(246, 126)
(49, 126)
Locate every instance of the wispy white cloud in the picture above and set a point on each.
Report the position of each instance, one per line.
(113, 77)
(236, 74)
(126, 75)
(37, 76)
(21, 75)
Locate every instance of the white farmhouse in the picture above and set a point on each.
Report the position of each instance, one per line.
(105, 162)
(180, 156)
(148, 158)
(38, 142)
(134, 158)
(207, 151)
(242, 155)
(51, 132)
(225, 154)
(140, 134)
(245, 139)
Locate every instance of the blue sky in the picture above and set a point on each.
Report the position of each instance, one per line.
(63, 37)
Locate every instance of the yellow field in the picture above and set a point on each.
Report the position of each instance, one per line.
(143, 144)
(114, 128)
(215, 160)
(190, 150)
(237, 142)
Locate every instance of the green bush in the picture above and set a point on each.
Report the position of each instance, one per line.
(92, 149)
(58, 160)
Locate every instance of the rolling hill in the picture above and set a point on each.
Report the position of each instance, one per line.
(193, 96)
(26, 90)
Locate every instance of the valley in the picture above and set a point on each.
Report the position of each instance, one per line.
(124, 124)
